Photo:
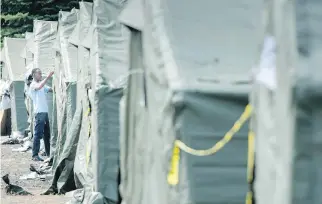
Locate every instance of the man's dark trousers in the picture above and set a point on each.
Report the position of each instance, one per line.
(41, 129)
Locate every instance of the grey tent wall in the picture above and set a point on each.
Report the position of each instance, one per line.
(59, 109)
(64, 80)
(109, 54)
(83, 171)
(63, 180)
(19, 116)
(54, 128)
(133, 110)
(67, 22)
(193, 113)
(29, 65)
(307, 178)
(82, 166)
(133, 124)
(70, 117)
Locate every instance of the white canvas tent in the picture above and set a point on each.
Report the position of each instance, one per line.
(27, 54)
(15, 68)
(197, 81)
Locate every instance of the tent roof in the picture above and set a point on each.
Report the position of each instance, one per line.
(74, 37)
(87, 41)
(45, 33)
(67, 22)
(13, 62)
(29, 45)
(132, 14)
(83, 24)
(43, 29)
(199, 50)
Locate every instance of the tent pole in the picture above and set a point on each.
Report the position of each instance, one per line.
(284, 31)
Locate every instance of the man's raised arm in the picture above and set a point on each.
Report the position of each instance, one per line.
(43, 82)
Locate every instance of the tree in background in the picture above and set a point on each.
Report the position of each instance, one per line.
(17, 15)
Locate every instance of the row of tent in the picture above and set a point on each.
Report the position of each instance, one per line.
(135, 79)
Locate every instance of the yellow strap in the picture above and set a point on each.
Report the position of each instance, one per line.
(249, 198)
(251, 152)
(250, 165)
(88, 111)
(173, 175)
(220, 144)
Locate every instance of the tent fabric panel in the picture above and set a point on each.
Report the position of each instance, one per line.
(132, 15)
(18, 108)
(201, 121)
(132, 120)
(105, 144)
(14, 64)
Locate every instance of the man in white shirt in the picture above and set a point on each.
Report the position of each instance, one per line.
(38, 91)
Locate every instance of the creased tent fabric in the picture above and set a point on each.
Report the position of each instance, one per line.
(133, 109)
(44, 35)
(64, 79)
(109, 51)
(63, 180)
(68, 123)
(77, 37)
(195, 90)
(14, 63)
(82, 166)
(16, 68)
(307, 178)
(57, 102)
(28, 57)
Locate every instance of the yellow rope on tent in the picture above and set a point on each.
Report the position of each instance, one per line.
(250, 165)
(173, 175)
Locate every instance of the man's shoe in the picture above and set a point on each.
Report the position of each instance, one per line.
(37, 158)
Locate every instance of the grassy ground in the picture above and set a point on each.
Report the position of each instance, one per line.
(17, 164)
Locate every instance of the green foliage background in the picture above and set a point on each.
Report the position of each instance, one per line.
(17, 15)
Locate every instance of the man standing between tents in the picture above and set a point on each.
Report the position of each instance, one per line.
(38, 92)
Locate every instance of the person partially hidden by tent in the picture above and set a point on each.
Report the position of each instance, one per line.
(38, 93)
